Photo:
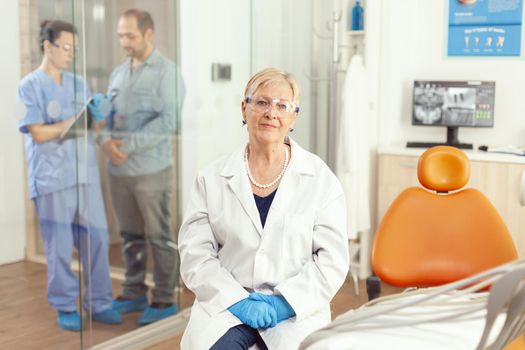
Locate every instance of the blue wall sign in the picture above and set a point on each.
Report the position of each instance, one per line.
(485, 27)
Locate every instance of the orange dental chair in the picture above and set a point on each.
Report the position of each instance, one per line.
(451, 240)
(440, 233)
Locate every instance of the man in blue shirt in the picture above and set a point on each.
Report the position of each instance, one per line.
(137, 139)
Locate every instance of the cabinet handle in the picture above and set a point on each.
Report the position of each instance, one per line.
(522, 189)
(408, 164)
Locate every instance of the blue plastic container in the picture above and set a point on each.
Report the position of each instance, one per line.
(357, 17)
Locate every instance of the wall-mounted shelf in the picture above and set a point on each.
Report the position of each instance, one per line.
(355, 32)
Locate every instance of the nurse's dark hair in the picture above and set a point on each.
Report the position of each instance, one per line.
(144, 20)
(50, 30)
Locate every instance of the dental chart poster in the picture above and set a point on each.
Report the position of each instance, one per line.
(485, 27)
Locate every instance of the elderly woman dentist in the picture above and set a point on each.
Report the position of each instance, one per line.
(263, 241)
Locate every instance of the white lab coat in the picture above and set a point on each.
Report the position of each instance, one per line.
(300, 254)
(353, 149)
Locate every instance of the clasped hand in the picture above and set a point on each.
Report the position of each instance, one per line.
(112, 150)
(262, 311)
(256, 314)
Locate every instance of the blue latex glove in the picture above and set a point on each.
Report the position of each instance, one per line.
(100, 107)
(279, 303)
(256, 314)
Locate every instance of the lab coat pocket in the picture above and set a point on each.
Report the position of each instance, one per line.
(297, 238)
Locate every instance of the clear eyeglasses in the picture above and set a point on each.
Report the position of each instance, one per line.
(66, 47)
(284, 108)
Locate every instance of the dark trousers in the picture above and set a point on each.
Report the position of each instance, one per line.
(143, 208)
(240, 337)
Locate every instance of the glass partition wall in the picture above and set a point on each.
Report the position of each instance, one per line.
(121, 154)
(59, 168)
(160, 128)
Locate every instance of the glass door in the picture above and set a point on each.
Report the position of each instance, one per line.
(131, 54)
(116, 170)
(59, 163)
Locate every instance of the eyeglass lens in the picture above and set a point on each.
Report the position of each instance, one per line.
(66, 47)
(283, 107)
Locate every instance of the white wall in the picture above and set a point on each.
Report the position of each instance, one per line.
(413, 46)
(12, 176)
(212, 32)
(281, 38)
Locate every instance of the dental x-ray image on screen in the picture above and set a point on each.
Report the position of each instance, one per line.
(459, 106)
(428, 103)
(453, 103)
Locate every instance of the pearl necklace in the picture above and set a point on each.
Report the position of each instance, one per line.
(271, 184)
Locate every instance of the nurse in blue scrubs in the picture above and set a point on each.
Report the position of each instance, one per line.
(64, 182)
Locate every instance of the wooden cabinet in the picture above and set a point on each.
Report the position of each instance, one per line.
(500, 177)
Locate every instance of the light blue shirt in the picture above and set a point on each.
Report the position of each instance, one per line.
(146, 104)
(55, 165)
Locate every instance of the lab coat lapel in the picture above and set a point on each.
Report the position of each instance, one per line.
(285, 198)
(235, 173)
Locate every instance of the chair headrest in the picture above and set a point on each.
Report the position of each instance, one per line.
(443, 169)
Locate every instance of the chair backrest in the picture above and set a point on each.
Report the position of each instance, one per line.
(439, 234)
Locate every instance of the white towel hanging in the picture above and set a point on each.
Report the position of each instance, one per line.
(352, 165)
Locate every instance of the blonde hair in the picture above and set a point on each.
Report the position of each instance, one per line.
(270, 76)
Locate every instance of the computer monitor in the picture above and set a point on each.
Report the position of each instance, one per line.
(452, 104)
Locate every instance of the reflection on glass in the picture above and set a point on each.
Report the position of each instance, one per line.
(137, 141)
(73, 164)
(69, 218)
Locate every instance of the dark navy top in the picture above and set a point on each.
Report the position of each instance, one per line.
(263, 205)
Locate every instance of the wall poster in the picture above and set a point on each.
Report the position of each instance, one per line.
(484, 27)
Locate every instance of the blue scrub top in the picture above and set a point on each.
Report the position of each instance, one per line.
(55, 165)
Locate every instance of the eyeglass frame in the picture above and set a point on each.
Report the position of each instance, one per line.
(296, 108)
(66, 47)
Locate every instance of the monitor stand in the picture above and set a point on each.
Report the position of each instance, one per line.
(452, 140)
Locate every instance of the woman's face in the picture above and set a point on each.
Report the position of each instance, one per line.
(269, 124)
(61, 52)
